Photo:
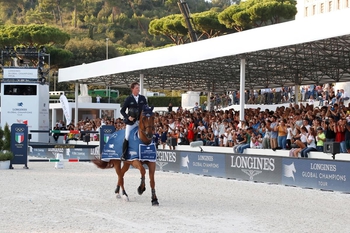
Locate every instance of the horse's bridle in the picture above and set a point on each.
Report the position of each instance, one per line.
(143, 130)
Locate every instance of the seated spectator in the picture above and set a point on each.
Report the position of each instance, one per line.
(240, 140)
(71, 135)
(311, 144)
(301, 142)
(247, 141)
(256, 142)
(56, 135)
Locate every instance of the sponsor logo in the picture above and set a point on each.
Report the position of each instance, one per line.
(251, 173)
(111, 146)
(19, 129)
(161, 164)
(20, 104)
(289, 170)
(166, 156)
(250, 162)
(251, 165)
(19, 137)
(185, 161)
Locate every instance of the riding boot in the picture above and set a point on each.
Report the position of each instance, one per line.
(125, 150)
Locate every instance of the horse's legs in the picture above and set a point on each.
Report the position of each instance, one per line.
(137, 164)
(151, 171)
(123, 170)
(120, 184)
(120, 172)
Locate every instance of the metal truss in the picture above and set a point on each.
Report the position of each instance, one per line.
(315, 62)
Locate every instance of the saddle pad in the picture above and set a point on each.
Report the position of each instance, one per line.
(147, 152)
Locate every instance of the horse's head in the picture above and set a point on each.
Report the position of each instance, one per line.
(146, 127)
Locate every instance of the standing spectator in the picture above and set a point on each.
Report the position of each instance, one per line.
(196, 107)
(190, 131)
(98, 99)
(170, 107)
(339, 130)
(281, 129)
(164, 136)
(320, 138)
(204, 106)
(347, 137)
(274, 134)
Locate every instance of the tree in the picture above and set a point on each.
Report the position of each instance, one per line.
(31, 35)
(207, 23)
(87, 51)
(255, 13)
(223, 4)
(171, 27)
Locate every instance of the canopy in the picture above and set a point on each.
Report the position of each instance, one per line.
(312, 50)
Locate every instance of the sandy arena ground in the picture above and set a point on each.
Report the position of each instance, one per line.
(80, 198)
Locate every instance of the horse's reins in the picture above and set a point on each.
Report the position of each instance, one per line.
(145, 127)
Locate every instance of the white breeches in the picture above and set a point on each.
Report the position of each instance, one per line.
(128, 128)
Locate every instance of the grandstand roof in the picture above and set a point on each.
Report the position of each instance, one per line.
(310, 50)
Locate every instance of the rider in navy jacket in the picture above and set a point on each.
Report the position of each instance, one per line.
(134, 104)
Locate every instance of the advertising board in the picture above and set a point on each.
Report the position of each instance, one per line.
(203, 163)
(319, 174)
(254, 167)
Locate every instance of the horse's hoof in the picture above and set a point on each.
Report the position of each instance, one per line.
(155, 202)
(140, 191)
(125, 198)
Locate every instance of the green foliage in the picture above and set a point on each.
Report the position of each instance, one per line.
(255, 13)
(7, 138)
(6, 155)
(170, 26)
(1, 138)
(87, 50)
(59, 57)
(31, 35)
(207, 23)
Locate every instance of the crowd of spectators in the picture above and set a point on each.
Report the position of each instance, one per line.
(324, 94)
(299, 128)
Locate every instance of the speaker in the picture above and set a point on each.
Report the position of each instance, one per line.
(86, 138)
(331, 147)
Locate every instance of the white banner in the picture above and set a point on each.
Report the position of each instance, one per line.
(66, 109)
(20, 73)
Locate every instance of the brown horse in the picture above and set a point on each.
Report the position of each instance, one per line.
(145, 133)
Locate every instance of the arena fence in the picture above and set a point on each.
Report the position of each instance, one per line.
(320, 174)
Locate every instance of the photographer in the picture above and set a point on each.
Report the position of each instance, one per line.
(328, 125)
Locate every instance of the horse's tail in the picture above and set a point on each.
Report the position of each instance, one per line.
(102, 164)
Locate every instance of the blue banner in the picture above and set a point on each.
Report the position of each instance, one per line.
(203, 163)
(106, 131)
(19, 144)
(319, 174)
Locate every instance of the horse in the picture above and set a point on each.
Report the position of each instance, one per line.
(141, 136)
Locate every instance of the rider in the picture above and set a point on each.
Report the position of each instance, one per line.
(134, 103)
